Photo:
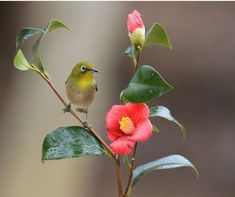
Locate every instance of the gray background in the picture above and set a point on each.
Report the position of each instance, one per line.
(200, 67)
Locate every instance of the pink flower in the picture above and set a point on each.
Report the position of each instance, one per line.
(127, 124)
(136, 29)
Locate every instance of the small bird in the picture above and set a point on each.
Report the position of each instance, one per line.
(81, 87)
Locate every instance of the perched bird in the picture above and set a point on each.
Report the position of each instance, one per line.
(81, 87)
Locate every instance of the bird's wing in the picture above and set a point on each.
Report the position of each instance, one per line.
(66, 80)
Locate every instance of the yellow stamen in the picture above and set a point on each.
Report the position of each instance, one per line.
(126, 125)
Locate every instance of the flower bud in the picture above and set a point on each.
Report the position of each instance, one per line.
(136, 29)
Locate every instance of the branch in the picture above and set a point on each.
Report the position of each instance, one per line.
(118, 174)
(131, 169)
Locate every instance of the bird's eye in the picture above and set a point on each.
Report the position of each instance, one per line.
(83, 68)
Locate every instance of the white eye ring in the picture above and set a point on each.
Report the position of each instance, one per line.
(83, 68)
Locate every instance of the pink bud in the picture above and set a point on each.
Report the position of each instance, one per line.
(134, 21)
(136, 29)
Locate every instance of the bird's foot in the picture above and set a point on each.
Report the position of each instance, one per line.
(85, 125)
(67, 108)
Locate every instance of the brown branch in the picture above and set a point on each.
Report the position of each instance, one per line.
(131, 169)
(118, 174)
(92, 130)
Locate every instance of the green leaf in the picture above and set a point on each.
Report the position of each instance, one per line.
(69, 142)
(37, 59)
(55, 24)
(169, 162)
(130, 51)
(146, 85)
(163, 112)
(157, 35)
(20, 62)
(52, 25)
(24, 34)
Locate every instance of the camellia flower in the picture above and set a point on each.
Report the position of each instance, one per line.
(136, 29)
(126, 125)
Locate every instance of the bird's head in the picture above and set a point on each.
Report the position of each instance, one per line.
(83, 68)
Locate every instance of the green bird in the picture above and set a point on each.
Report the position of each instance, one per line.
(81, 87)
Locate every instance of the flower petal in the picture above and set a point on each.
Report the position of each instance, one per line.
(113, 117)
(143, 131)
(138, 112)
(122, 146)
(113, 135)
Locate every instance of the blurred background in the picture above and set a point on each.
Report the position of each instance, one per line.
(200, 67)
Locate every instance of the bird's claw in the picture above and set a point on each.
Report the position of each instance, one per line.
(85, 125)
(67, 108)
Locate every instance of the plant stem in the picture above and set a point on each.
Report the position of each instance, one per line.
(131, 170)
(118, 174)
(134, 153)
(93, 131)
(137, 61)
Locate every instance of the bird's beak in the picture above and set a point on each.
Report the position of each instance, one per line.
(92, 70)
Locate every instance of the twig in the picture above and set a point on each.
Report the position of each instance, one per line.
(118, 174)
(131, 169)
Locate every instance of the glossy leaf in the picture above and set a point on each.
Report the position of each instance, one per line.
(146, 85)
(157, 35)
(24, 34)
(69, 142)
(20, 62)
(163, 112)
(169, 162)
(37, 59)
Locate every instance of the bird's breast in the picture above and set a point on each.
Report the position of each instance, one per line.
(82, 97)
(85, 81)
